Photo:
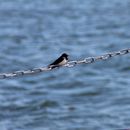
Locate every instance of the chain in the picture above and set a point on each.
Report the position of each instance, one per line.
(87, 60)
(90, 60)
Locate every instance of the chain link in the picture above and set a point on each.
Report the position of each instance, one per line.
(87, 60)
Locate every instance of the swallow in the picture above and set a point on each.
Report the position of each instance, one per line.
(62, 60)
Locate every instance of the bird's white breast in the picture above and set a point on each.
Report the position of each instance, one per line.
(63, 62)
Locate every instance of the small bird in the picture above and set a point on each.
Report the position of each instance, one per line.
(62, 60)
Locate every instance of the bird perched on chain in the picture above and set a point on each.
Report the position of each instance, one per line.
(62, 60)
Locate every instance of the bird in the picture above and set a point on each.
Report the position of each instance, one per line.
(62, 60)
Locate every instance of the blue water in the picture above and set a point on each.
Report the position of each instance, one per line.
(86, 97)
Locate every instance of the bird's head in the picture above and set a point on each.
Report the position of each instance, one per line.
(65, 55)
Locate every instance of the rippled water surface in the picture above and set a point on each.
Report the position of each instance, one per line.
(86, 97)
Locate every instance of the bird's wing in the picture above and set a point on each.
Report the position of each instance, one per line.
(60, 59)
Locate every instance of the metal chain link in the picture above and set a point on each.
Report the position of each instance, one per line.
(87, 60)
